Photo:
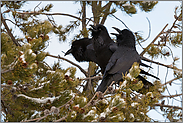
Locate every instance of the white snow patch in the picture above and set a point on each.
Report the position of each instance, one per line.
(29, 51)
(23, 58)
(107, 110)
(105, 101)
(33, 55)
(68, 73)
(77, 105)
(142, 113)
(150, 93)
(50, 71)
(40, 70)
(134, 104)
(131, 115)
(38, 100)
(73, 114)
(90, 113)
(84, 99)
(72, 94)
(102, 115)
(123, 84)
(41, 85)
(127, 5)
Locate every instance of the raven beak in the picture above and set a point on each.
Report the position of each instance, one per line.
(68, 52)
(115, 34)
(93, 28)
(118, 30)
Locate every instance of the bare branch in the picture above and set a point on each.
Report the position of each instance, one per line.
(108, 87)
(95, 77)
(176, 95)
(173, 25)
(82, 70)
(169, 82)
(5, 71)
(63, 118)
(168, 66)
(36, 13)
(106, 12)
(174, 32)
(144, 51)
(9, 32)
(89, 103)
(169, 106)
(5, 85)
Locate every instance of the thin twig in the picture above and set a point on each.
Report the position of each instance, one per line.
(169, 106)
(149, 30)
(176, 95)
(9, 32)
(88, 104)
(63, 118)
(144, 51)
(120, 21)
(169, 81)
(31, 13)
(81, 69)
(108, 87)
(172, 26)
(158, 63)
(5, 71)
(37, 6)
(174, 32)
(95, 77)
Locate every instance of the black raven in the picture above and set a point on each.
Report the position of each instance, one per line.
(103, 45)
(82, 50)
(122, 60)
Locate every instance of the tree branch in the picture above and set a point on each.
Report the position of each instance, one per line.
(95, 77)
(9, 32)
(176, 107)
(36, 13)
(145, 50)
(173, 25)
(106, 12)
(83, 15)
(158, 63)
(63, 118)
(169, 82)
(176, 95)
(81, 69)
(5, 71)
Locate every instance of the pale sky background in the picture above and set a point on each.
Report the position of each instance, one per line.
(162, 14)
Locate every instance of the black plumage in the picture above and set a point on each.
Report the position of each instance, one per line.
(103, 45)
(82, 50)
(122, 60)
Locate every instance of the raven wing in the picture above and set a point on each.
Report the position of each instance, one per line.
(122, 60)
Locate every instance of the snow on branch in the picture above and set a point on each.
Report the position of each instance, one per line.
(41, 85)
(38, 100)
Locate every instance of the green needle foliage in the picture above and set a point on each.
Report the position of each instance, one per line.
(32, 90)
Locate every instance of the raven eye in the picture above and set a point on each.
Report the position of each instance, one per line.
(99, 28)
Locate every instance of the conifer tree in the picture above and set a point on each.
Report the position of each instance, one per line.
(32, 90)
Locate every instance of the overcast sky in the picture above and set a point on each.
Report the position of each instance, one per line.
(162, 14)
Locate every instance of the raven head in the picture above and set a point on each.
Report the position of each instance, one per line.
(77, 49)
(125, 37)
(99, 29)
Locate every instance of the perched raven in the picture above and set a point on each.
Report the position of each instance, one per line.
(103, 45)
(122, 60)
(82, 50)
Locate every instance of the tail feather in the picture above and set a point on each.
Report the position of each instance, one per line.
(146, 73)
(105, 83)
(144, 81)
